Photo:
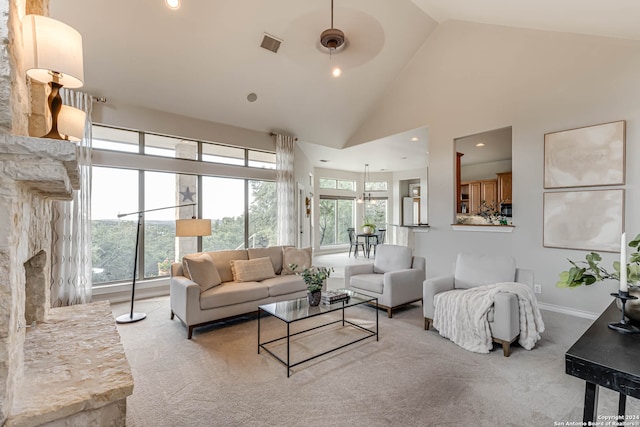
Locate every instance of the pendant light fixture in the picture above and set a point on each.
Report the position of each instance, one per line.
(332, 39)
(366, 197)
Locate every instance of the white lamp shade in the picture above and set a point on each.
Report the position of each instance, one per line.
(51, 46)
(193, 227)
(71, 123)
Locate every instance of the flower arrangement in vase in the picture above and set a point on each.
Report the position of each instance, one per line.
(314, 278)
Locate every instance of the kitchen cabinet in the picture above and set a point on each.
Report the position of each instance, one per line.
(504, 187)
(473, 192)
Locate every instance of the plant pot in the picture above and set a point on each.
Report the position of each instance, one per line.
(367, 230)
(314, 298)
(632, 307)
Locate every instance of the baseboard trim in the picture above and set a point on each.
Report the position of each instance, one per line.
(570, 311)
(125, 295)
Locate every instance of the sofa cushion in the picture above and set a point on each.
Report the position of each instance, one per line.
(474, 270)
(252, 270)
(274, 252)
(369, 282)
(392, 258)
(229, 293)
(202, 270)
(301, 257)
(222, 258)
(287, 284)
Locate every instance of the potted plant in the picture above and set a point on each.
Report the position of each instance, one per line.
(164, 267)
(368, 227)
(589, 271)
(314, 278)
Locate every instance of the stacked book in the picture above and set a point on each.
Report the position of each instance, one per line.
(331, 297)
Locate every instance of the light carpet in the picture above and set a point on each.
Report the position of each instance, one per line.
(410, 377)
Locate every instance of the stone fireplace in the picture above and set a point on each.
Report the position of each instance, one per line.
(58, 366)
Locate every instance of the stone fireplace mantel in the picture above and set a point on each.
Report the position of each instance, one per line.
(46, 166)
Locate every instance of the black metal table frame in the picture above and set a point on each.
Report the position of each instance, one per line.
(342, 307)
(603, 357)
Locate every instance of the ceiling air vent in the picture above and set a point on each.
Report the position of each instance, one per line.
(270, 43)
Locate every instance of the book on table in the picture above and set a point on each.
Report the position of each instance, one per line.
(330, 297)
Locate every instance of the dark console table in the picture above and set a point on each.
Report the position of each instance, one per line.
(604, 357)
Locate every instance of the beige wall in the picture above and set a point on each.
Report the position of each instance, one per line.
(470, 78)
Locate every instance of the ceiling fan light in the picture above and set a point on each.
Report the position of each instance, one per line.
(332, 38)
(173, 4)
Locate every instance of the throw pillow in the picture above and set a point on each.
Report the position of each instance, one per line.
(252, 270)
(201, 269)
(273, 252)
(301, 257)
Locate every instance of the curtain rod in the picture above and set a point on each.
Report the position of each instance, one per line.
(274, 134)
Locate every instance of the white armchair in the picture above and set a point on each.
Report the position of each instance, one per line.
(395, 277)
(472, 270)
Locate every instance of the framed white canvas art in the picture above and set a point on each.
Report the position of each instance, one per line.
(586, 220)
(585, 157)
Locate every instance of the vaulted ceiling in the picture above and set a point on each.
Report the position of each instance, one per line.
(204, 59)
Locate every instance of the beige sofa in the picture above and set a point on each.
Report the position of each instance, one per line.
(234, 282)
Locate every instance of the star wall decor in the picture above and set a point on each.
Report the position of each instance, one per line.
(187, 195)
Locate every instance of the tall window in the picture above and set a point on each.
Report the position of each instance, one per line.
(223, 203)
(262, 213)
(242, 209)
(113, 238)
(336, 215)
(159, 226)
(375, 211)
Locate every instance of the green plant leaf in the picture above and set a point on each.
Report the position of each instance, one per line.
(635, 242)
(635, 257)
(633, 275)
(564, 280)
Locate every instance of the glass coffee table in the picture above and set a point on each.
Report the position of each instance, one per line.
(299, 309)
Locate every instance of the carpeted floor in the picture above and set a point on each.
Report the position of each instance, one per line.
(410, 377)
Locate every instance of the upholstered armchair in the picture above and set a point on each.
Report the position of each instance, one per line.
(395, 277)
(474, 270)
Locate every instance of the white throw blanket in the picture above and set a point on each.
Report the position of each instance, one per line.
(462, 315)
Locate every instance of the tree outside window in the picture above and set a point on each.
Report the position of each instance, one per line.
(336, 215)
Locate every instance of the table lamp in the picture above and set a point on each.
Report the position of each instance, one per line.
(53, 55)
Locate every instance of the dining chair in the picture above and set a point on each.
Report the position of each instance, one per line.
(353, 242)
(379, 240)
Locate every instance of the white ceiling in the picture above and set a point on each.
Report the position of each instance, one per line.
(204, 59)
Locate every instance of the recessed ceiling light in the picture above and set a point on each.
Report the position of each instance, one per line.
(480, 144)
(252, 97)
(336, 72)
(415, 138)
(173, 4)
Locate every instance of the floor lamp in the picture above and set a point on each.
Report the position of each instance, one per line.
(184, 228)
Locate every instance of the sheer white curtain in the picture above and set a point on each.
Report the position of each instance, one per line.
(71, 223)
(285, 186)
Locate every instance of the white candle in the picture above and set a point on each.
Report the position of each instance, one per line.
(623, 264)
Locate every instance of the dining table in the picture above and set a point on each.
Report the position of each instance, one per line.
(370, 239)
